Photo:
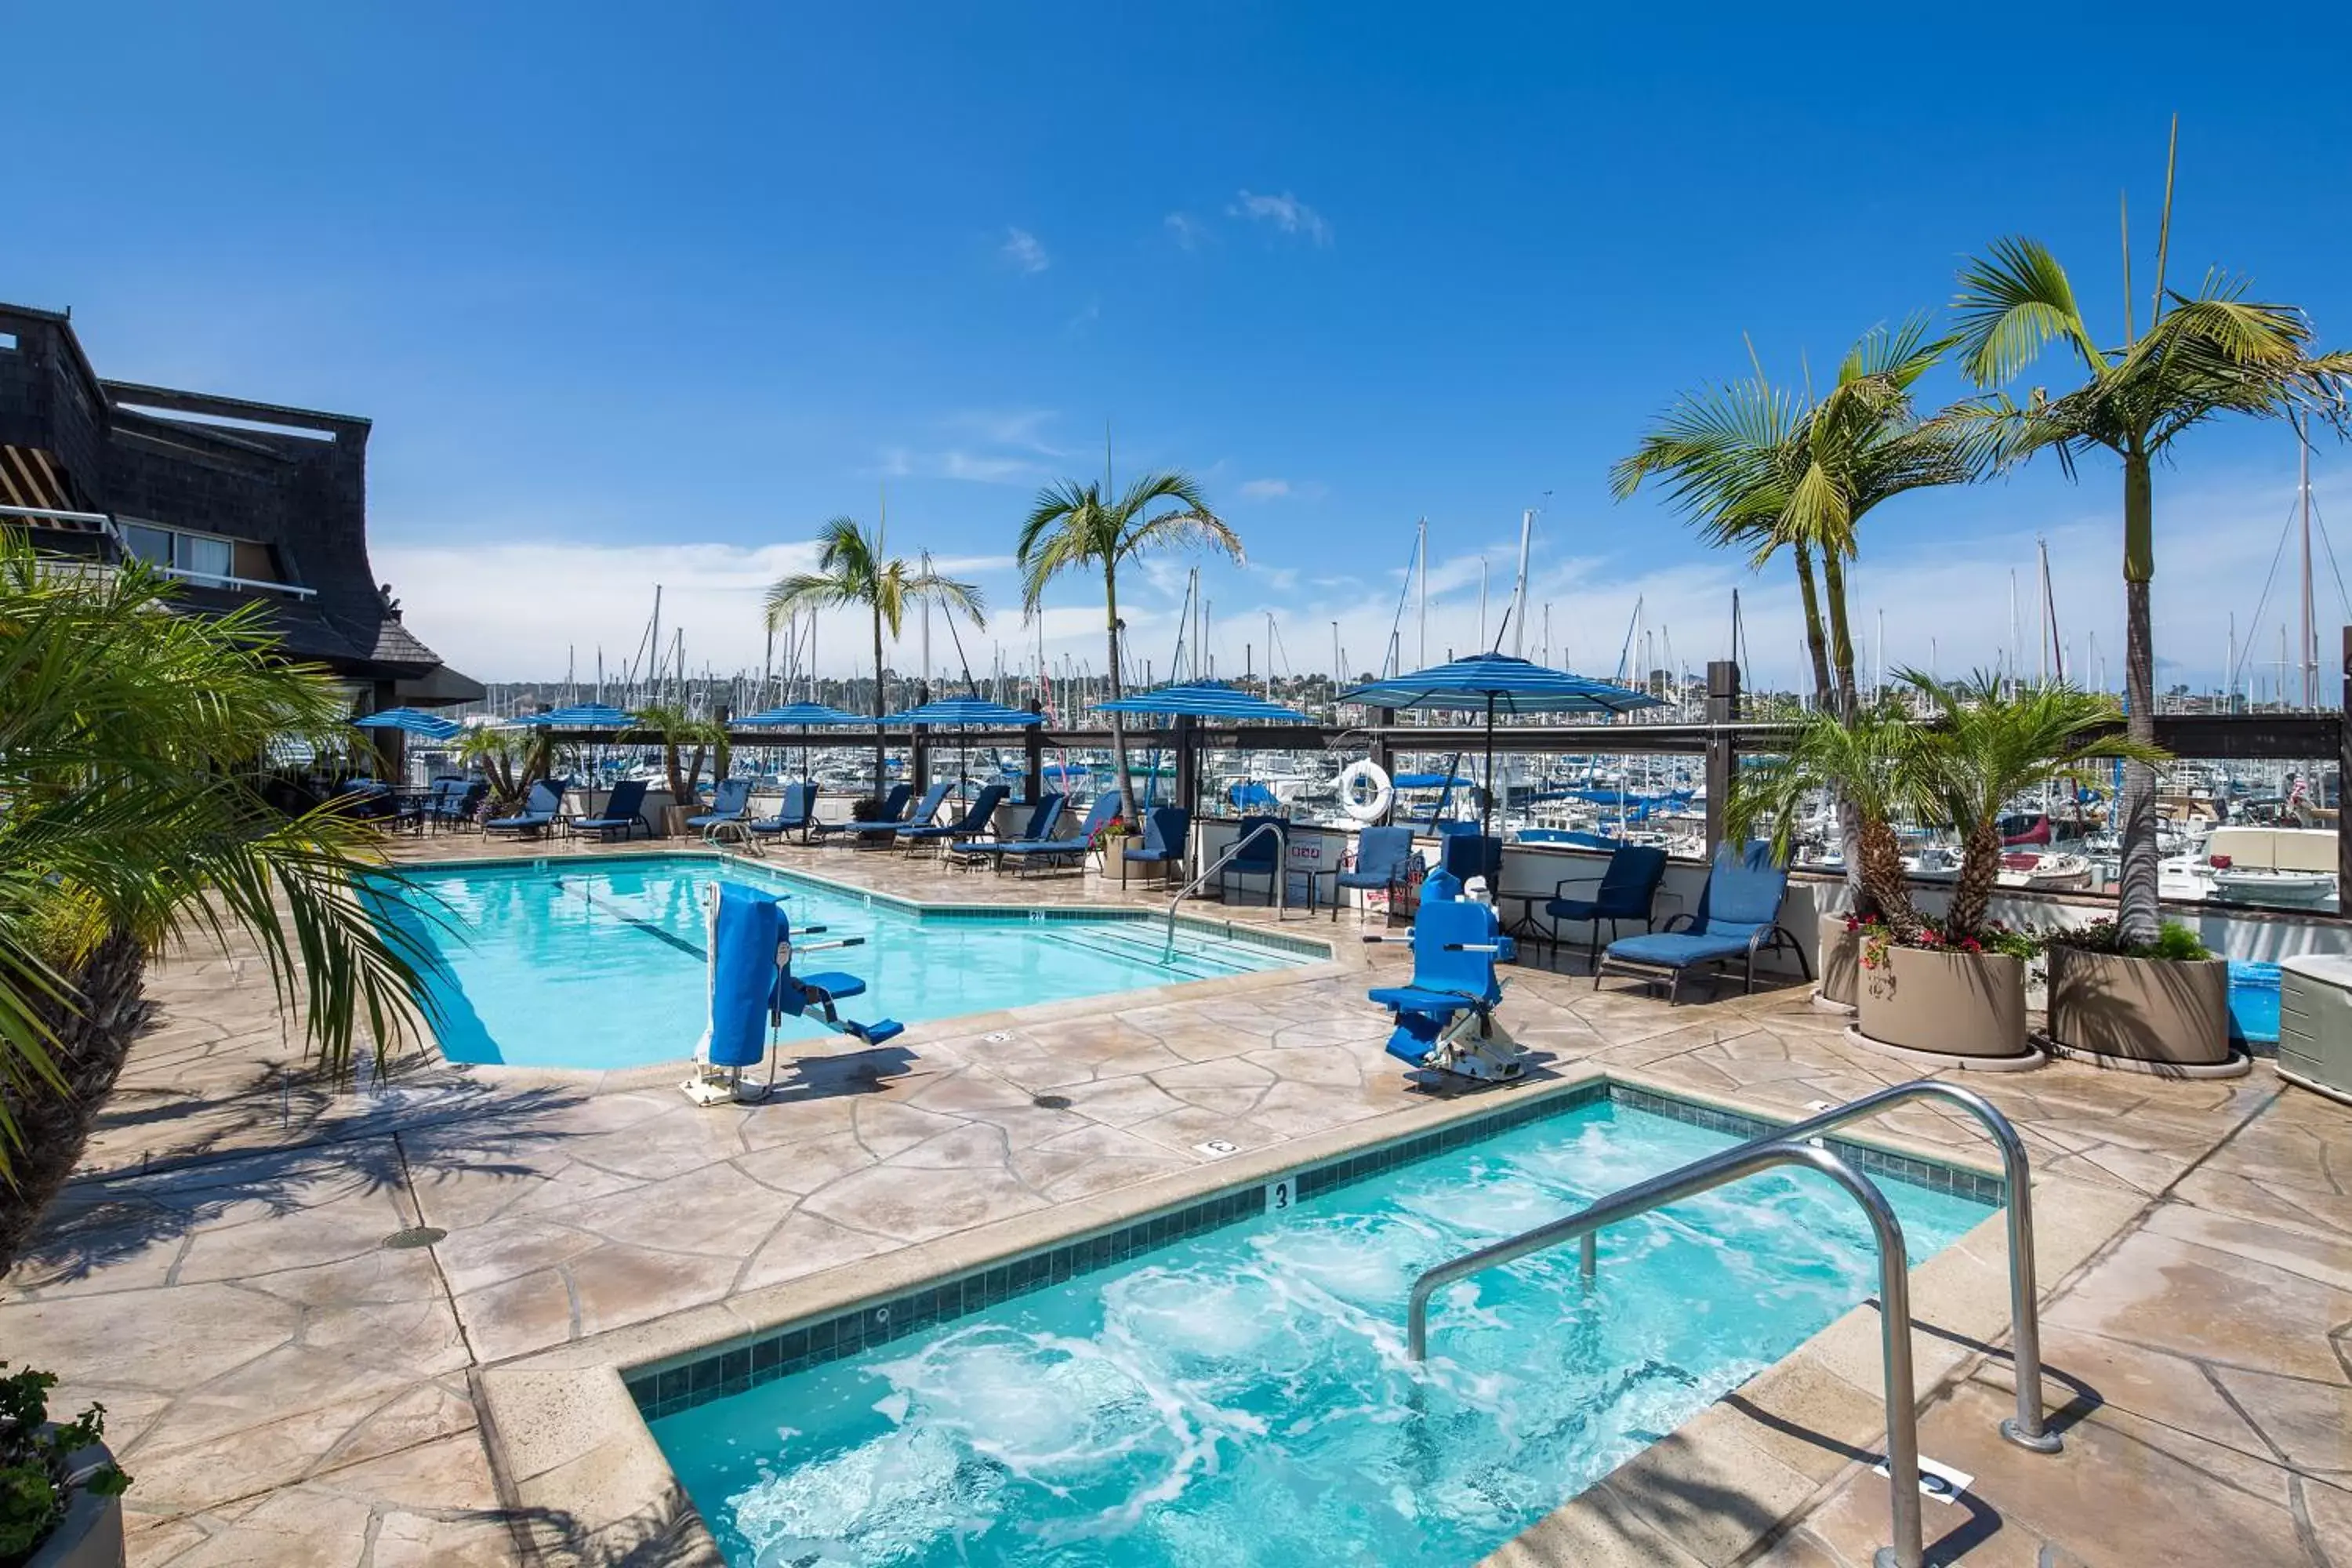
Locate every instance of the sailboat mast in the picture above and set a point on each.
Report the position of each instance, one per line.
(1519, 592)
(1424, 593)
(2310, 632)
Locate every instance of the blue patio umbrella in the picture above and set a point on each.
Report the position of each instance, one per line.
(411, 722)
(1498, 683)
(1204, 700)
(806, 716)
(963, 713)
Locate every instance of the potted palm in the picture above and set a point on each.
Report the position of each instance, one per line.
(1954, 989)
(60, 1490)
(686, 743)
(2161, 1006)
(1871, 762)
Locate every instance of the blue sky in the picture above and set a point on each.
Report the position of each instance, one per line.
(636, 299)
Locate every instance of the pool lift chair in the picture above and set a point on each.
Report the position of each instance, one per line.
(1446, 1014)
(753, 988)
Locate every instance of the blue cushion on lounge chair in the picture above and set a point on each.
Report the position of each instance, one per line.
(728, 804)
(546, 798)
(893, 808)
(1738, 916)
(1166, 831)
(974, 820)
(1677, 949)
(799, 807)
(1047, 813)
(623, 813)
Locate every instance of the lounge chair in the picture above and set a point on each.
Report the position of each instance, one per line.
(1445, 1013)
(795, 813)
(926, 809)
(729, 802)
(1043, 818)
(538, 815)
(973, 823)
(623, 812)
(1738, 916)
(1166, 829)
(1259, 857)
(1384, 855)
(1627, 892)
(458, 804)
(893, 807)
(1052, 851)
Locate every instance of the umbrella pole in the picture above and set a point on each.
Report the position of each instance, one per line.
(1487, 806)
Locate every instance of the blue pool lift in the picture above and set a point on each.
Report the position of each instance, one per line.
(753, 988)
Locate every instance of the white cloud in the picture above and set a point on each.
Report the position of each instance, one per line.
(1005, 427)
(1023, 250)
(1285, 212)
(1266, 490)
(1186, 230)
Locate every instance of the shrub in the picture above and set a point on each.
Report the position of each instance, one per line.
(2174, 942)
(36, 1483)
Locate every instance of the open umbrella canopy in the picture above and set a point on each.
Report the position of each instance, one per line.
(963, 713)
(804, 713)
(1204, 700)
(411, 722)
(1499, 683)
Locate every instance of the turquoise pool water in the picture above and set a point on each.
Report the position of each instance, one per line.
(1243, 1397)
(600, 963)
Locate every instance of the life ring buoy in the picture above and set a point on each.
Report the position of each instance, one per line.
(1365, 792)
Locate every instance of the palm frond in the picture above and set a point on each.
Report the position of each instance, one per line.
(2012, 301)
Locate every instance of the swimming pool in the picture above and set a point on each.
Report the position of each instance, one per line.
(1240, 1395)
(600, 962)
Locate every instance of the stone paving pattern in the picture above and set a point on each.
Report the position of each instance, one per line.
(286, 1390)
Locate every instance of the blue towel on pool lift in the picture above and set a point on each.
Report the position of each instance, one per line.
(743, 975)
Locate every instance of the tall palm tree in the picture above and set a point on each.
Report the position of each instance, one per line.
(1754, 465)
(138, 810)
(1986, 746)
(852, 570)
(1073, 526)
(2206, 352)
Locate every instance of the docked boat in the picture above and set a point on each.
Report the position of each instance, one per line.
(2044, 871)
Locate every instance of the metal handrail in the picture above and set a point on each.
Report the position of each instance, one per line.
(2025, 1429)
(1281, 876)
(1702, 1175)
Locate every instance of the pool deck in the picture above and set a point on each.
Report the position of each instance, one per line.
(285, 1390)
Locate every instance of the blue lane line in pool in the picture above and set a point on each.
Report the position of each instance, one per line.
(700, 953)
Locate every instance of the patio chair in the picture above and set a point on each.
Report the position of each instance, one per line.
(729, 802)
(1738, 916)
(1469, 854)
(1042, 819)
(1628, 890)
(1166, 829)
(975, 820)
(1052, 851)
(925, 810)
(1259, 857)
(623, 812)
(1382, 855)
(458, 804)
(795, 814)
(893, 807)
(539, 812)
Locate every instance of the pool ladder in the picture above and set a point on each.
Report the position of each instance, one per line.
(1801, 1145)
(1281, 877)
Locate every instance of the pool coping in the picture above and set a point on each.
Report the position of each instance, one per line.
(665, 1072)
(575, 1461)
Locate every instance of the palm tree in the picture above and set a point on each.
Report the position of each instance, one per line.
(1872, 759)
(133, 743)
(2205, 352)
(1074, 527)
(852, 570)
(1754, 466)
(511, 758)
(678, 730)
(1988, 745)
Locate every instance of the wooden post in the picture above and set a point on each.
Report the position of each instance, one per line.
(2343, 775)
(1722, 756)
(1384, 749)
(1032, 744)
(1188, 763)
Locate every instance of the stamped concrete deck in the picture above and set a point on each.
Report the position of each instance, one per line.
(286, 1390)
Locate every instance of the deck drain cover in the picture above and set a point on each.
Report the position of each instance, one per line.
(1050, 1101)
(414, 1235)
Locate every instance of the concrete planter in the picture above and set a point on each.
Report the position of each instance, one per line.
(1839, 952)
(1962, 1006)
(2156, 1011)
(91, 1534)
